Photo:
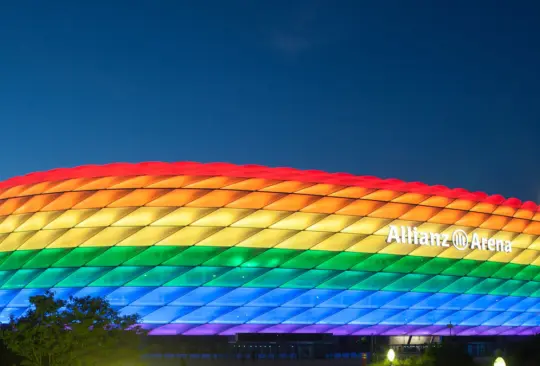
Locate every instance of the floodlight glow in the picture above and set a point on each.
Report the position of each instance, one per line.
(391, 355)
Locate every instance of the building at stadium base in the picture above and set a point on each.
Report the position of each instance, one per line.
(219, 249)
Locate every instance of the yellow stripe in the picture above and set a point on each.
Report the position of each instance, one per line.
(129, 211)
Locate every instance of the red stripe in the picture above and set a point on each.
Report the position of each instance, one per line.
(257, 171)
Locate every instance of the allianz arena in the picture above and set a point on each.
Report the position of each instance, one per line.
(220, 249)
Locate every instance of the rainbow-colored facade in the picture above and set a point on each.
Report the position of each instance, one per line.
(224, 249)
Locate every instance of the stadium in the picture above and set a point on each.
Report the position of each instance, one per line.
(220, 249)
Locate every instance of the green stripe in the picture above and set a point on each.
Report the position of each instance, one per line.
(221, 276)
(261, 258)
(268, 258)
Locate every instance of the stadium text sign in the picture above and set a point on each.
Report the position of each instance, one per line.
(458, 238)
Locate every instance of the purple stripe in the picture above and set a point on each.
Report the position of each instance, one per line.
(208, 329)
(315, 328)
(281, 328)
(230, 329)
(172, 329)
(345, 329)
(244, 328)
(375, 329)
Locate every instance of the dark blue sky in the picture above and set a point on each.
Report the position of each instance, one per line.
(445, 92)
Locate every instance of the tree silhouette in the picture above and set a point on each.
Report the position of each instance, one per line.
(78, 332)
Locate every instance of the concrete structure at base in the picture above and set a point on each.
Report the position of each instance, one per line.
(219, 249)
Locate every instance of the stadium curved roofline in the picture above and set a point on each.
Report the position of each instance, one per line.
(258, 171)
(222, 249)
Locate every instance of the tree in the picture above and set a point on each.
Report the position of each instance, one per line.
(83, 331)
(8, 358)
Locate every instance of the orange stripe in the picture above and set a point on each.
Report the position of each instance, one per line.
(291, 203)
(138, 197)
(327, 205)
(36, 203)
(360, 208)
(177, 198)
(101, 199)
(256, 200)
(218, 198)
(10, 205)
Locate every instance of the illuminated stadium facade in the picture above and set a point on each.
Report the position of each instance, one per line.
(219, 249)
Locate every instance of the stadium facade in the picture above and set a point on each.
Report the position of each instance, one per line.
(220, 249)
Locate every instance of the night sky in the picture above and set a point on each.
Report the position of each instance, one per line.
(444, 92)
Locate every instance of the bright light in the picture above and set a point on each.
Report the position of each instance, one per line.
(391, 355)
(499, 362)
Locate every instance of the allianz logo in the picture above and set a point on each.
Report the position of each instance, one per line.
(459, 239)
